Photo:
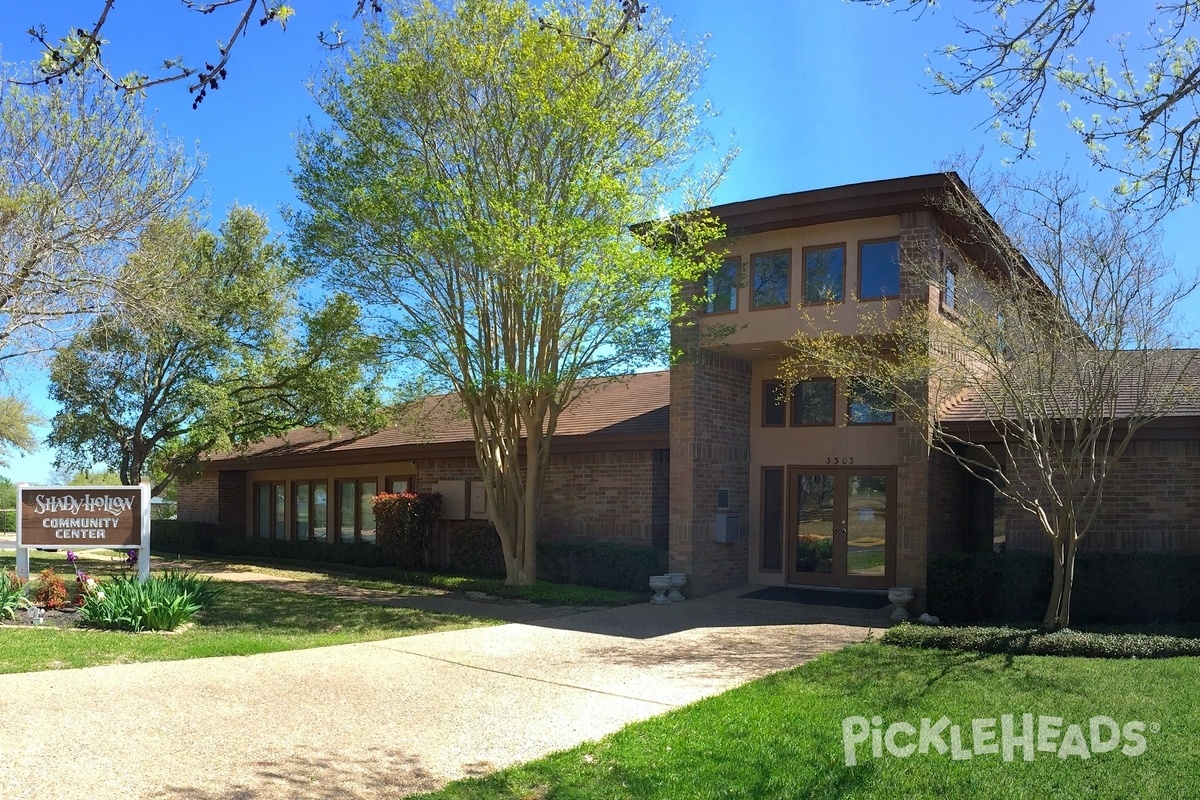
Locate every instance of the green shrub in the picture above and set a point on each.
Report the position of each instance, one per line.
(12, 595)
(404, 525)
(51, 590)
(1019, 641)
(176, 536)
(161, 603)
(475, 549)
(604, 565)
(1109, 588)
(361, 554)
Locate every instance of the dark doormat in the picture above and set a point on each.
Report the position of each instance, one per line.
(817, 597)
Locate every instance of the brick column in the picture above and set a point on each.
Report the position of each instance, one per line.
(231, 502)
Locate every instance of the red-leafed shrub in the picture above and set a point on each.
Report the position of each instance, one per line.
(51, 589)
(404, 525)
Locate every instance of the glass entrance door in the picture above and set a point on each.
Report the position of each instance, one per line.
(843, 527)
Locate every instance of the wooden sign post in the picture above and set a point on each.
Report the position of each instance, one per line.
(83, 518)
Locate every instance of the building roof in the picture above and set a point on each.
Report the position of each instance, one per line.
(631, 408)
(1179, 367)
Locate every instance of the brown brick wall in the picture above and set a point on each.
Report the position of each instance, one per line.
(710, 450)
(197, 499)
(1151, 504)
(231, 502)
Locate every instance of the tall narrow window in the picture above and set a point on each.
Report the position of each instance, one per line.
(878, 269)
(772, 519)
(774, 407)
(770, 278)
(347, 495)
(812, 402)
(948, 293)
(824, 274)
(366, 510)
(302, 511)
(320, 511)
(270, 506)
(721, 287)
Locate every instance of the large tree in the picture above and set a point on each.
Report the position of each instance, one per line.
(476, 190)
(1131, 95)
(233, 362)
(1056, 353)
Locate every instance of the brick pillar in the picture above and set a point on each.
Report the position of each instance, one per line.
(196, 500)
(710, 450)
(231, 502)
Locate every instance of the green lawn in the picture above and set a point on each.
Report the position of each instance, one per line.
(781, 737)
(244, 620)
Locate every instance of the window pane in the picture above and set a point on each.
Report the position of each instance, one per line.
(347, 502)
(300, 510)
(824, 274)
(772, 510)
(320, 512)
(868, 407)
(399, 485)
(262, 504)
(771, 274)
(948, 296)
(774, 409)
(721, 287)
(366, 501)
(879, 270)
(814, 523)
(280, 494)
(866, 525)
(812, 402)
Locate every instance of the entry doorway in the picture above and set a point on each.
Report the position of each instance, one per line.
(842, 526)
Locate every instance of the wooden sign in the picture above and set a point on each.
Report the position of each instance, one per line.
(81, 516)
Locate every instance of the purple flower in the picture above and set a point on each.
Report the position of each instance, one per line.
(71, 557)
(131, 557)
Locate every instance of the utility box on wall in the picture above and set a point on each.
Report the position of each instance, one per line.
(479, 508)
(728, 529)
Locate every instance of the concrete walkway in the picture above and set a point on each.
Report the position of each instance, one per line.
(387, 718)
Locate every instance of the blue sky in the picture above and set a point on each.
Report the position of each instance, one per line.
(819, 93)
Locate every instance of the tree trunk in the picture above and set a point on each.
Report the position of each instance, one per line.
(1058, 612)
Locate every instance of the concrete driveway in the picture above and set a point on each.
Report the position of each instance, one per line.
(386, 718)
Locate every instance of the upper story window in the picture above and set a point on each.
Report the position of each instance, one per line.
(878, 269)
(825, 274)
(770, 278)
(721, 287)
(774, 414)
(950, 287)
(812, 402)
(868, 407)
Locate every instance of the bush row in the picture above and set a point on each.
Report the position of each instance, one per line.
(1110, 588)
(199, 538)
(1016, 642)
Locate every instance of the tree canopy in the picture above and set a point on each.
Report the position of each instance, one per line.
(235, 361)
(478, 190)
(1135, 106)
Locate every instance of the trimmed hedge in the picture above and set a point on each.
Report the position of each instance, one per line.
(475, 549)
(1110, 588)
(199, 538)
(174, 536)
(404, 525)
(604, 565)
(1019, 642)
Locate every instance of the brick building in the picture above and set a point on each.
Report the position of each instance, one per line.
(736, 478)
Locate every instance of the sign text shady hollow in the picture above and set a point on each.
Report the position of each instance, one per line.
(84, 516)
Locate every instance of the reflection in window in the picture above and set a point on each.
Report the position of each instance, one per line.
(320, 512)
(366, 509)
(869, 407)
(878, 270)
(771, 273)
(302, 497)
(814, 523)
(812, 402)
(347, 504)
(774, 406)
(866, 525)
(772, 510)
(948, 294)
(721, 287)
(824, 274)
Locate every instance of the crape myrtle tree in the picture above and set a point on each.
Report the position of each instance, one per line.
(1061, 349)
(1131, 94)
(83, 174)
(478, 188)
(235, 361)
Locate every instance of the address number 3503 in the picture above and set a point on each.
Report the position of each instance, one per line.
(844, 461)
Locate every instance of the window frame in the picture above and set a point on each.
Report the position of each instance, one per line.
(859, 295)
(294, 528)
(849, 392)
(791, 401)
(273, 486)
(358, 482)
(949, 294)
(787, 289)
(804, 301)
(736, 263)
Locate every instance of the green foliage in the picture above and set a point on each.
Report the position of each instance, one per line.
(51, 591)
(404, 526)
(8, 493)
(475, 548)
(605, 565)
(13, 597)
(491, 186)
(17, 421)
(161, 603)
(1110, 588)
(236, 361)
(1021, 642)
(176, 536)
